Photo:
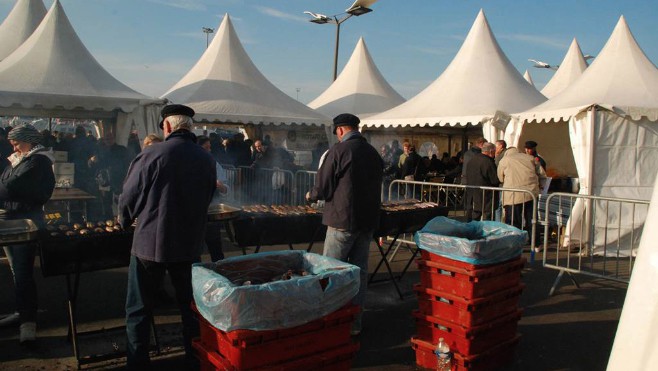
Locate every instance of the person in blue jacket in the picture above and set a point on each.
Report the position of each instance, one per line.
(166, 192)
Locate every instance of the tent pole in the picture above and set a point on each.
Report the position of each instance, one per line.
(590, 185)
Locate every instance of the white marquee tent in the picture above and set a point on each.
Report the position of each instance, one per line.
(636, 345)
(226, 87)
(359, 89)
(570, 69)
(479, 84)
(528, 78)
(52, 74)
(610, 115)
(23, 19)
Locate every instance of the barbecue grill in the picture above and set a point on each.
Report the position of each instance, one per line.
(17, 231)
(222, 212)
(261, 225)
(78, 253)
(397, 218)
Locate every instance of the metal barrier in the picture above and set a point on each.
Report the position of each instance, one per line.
(599, 238)
(264, 186)
(457, 197)
(304, 181)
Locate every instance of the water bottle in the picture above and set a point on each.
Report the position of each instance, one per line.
(442, 351)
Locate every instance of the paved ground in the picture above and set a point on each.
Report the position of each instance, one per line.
(572, 330)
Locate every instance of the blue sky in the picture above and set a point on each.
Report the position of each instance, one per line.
(150, 44)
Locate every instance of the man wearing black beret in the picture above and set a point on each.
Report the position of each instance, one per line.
(350, 181)
(531, 149)
(167, 191)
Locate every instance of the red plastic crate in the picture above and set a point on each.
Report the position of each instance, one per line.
(338, 358)
(470, 284)
(467, 312)
(493, 359)
(463, 340)
(247, 349)
(436, 258)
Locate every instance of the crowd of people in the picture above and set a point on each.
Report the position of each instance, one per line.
(154, 187)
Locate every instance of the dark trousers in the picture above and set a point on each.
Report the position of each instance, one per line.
(483, 201)
(144, 278)
(214, 240)
(516, 215)
(21, 261)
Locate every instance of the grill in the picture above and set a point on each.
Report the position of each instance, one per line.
(222, 212)
(63, 255)
(397, 218)
(17, 231)
(406, 216)
(262, 225)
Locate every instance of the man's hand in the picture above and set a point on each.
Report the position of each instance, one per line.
(308, 196)
(221, 187)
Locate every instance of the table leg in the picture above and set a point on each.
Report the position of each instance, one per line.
(388, 267)
(72, 293)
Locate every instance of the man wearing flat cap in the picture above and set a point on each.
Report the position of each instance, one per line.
(349, 181)
(531, 149)
(167, 191)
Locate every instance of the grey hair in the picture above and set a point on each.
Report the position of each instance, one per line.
(488, 147)
(178, 122)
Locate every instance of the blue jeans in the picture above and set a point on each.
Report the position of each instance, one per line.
(21, 261)
(353, 248)
(144, 278)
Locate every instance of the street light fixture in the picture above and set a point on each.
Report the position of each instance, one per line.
(322, 19)
(207, 31)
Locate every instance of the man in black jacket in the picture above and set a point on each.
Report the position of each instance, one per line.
(350, 181)
(167, 191)
(482, 172)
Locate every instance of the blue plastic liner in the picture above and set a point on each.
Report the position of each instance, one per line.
(224, 300)
(474, 242)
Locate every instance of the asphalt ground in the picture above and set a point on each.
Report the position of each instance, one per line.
(572, 330)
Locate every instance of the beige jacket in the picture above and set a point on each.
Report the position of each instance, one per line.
(519, 171)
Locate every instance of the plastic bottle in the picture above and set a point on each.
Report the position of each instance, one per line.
(442, 351)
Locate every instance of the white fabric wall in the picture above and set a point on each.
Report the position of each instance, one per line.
(620, 154)
(145, 118)
(636, 344)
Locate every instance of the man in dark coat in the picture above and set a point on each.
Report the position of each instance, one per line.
(482, 172)
(350, 181)
(167, 191)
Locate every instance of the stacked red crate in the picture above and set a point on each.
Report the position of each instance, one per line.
(474, 308)
(321, 344)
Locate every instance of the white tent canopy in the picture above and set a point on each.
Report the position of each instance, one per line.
(528, 78)
(23, 19)
(226, 87)
(636, 345)
(359, 89)
(479, 82)
(610, 112)
(52, 74)
(570, 69)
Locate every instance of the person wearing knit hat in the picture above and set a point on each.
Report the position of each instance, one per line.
(25, 187)
(25, 133)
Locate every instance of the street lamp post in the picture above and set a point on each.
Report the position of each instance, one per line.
(207, 31)
(323, 19)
